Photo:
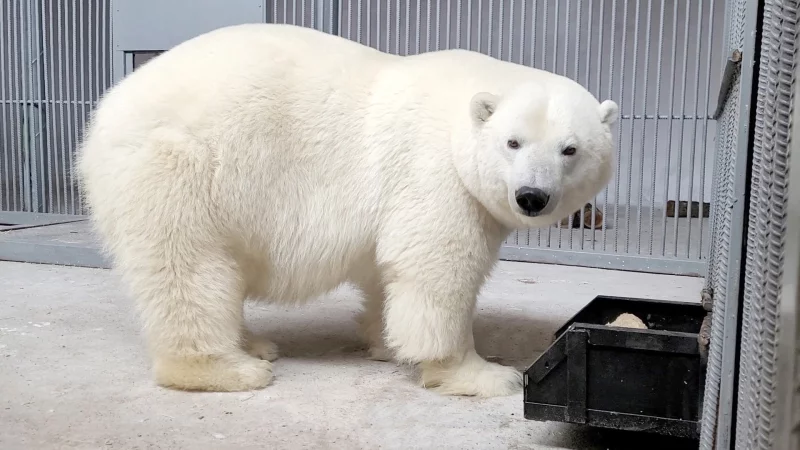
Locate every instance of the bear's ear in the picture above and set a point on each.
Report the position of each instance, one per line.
(482, 106)
(608, 112)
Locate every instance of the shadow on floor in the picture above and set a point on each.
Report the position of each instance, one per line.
(575, 435)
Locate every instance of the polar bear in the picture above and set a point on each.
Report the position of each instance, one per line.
(276, 162)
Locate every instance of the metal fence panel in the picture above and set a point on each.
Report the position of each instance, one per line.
(658, 59)
(54, 64)
(766, 236)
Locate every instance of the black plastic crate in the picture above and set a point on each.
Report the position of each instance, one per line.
(630, 379)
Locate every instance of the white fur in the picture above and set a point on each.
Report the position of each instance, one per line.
(277, 162)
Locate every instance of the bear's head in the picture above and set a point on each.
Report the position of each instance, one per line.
(538, 152)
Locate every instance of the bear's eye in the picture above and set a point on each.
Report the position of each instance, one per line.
(569, 151)
(513, 144)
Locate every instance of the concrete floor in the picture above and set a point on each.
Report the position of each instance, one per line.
(73, 373)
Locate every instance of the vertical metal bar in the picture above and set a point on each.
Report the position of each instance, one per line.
(544, 64)
(369, 23)
(359, 27)
(458, 23)
(340, 17)
(628, 220)
(4, 104)
(302, 12)
(16, 155)
(294, 14)
(566, 74)
(80, 125)
(490, 30)
(447, 24)
(648, 32)
(673, 70)
(555, 70)
(693, 148)
(578, 38)
(419, 28)
(74, 106)
(397, 27)
(534, 28)
(389, 25)
(523, 23)
(600, 34)
(500, 26)
(658, 126)
(619, 132)
(54, 170)
(438, 24)
(683, 113)
(704, 144)
(349, 19)
(428, 27)
(408, 26)
(63, 82)
(587, 83)
(479, 27)
(511, 32)
(469, 24)
(35, 44)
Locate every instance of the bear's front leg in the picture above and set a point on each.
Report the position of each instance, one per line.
(430, 323)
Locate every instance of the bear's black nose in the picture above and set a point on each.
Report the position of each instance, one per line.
(531, 200)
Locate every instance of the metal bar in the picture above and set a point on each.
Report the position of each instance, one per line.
(604, 226)
(576, 75)
(632, 130)
(438, 25)
(619, 132)
(469, 24)
(655, 137)
(389, 26)
(673, 70)
(458, 23)
(82, 123)
(428, 27)
(479, 27)
(62, 86)
(602, 260)
(544, 65)
(490, 24)
(447, 24)
(600, 34)
(74, 138)
(682, 127)
(500, 29)
(397, 27)
(408, 26)
(53, 160)
(418, 27)
(648, 31)
(16, 152)
(523, 22)
(704, 145)
(534, 8)
(693, 143)
(7, 147)
(368, 42)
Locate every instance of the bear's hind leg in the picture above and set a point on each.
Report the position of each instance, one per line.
(192, 309)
